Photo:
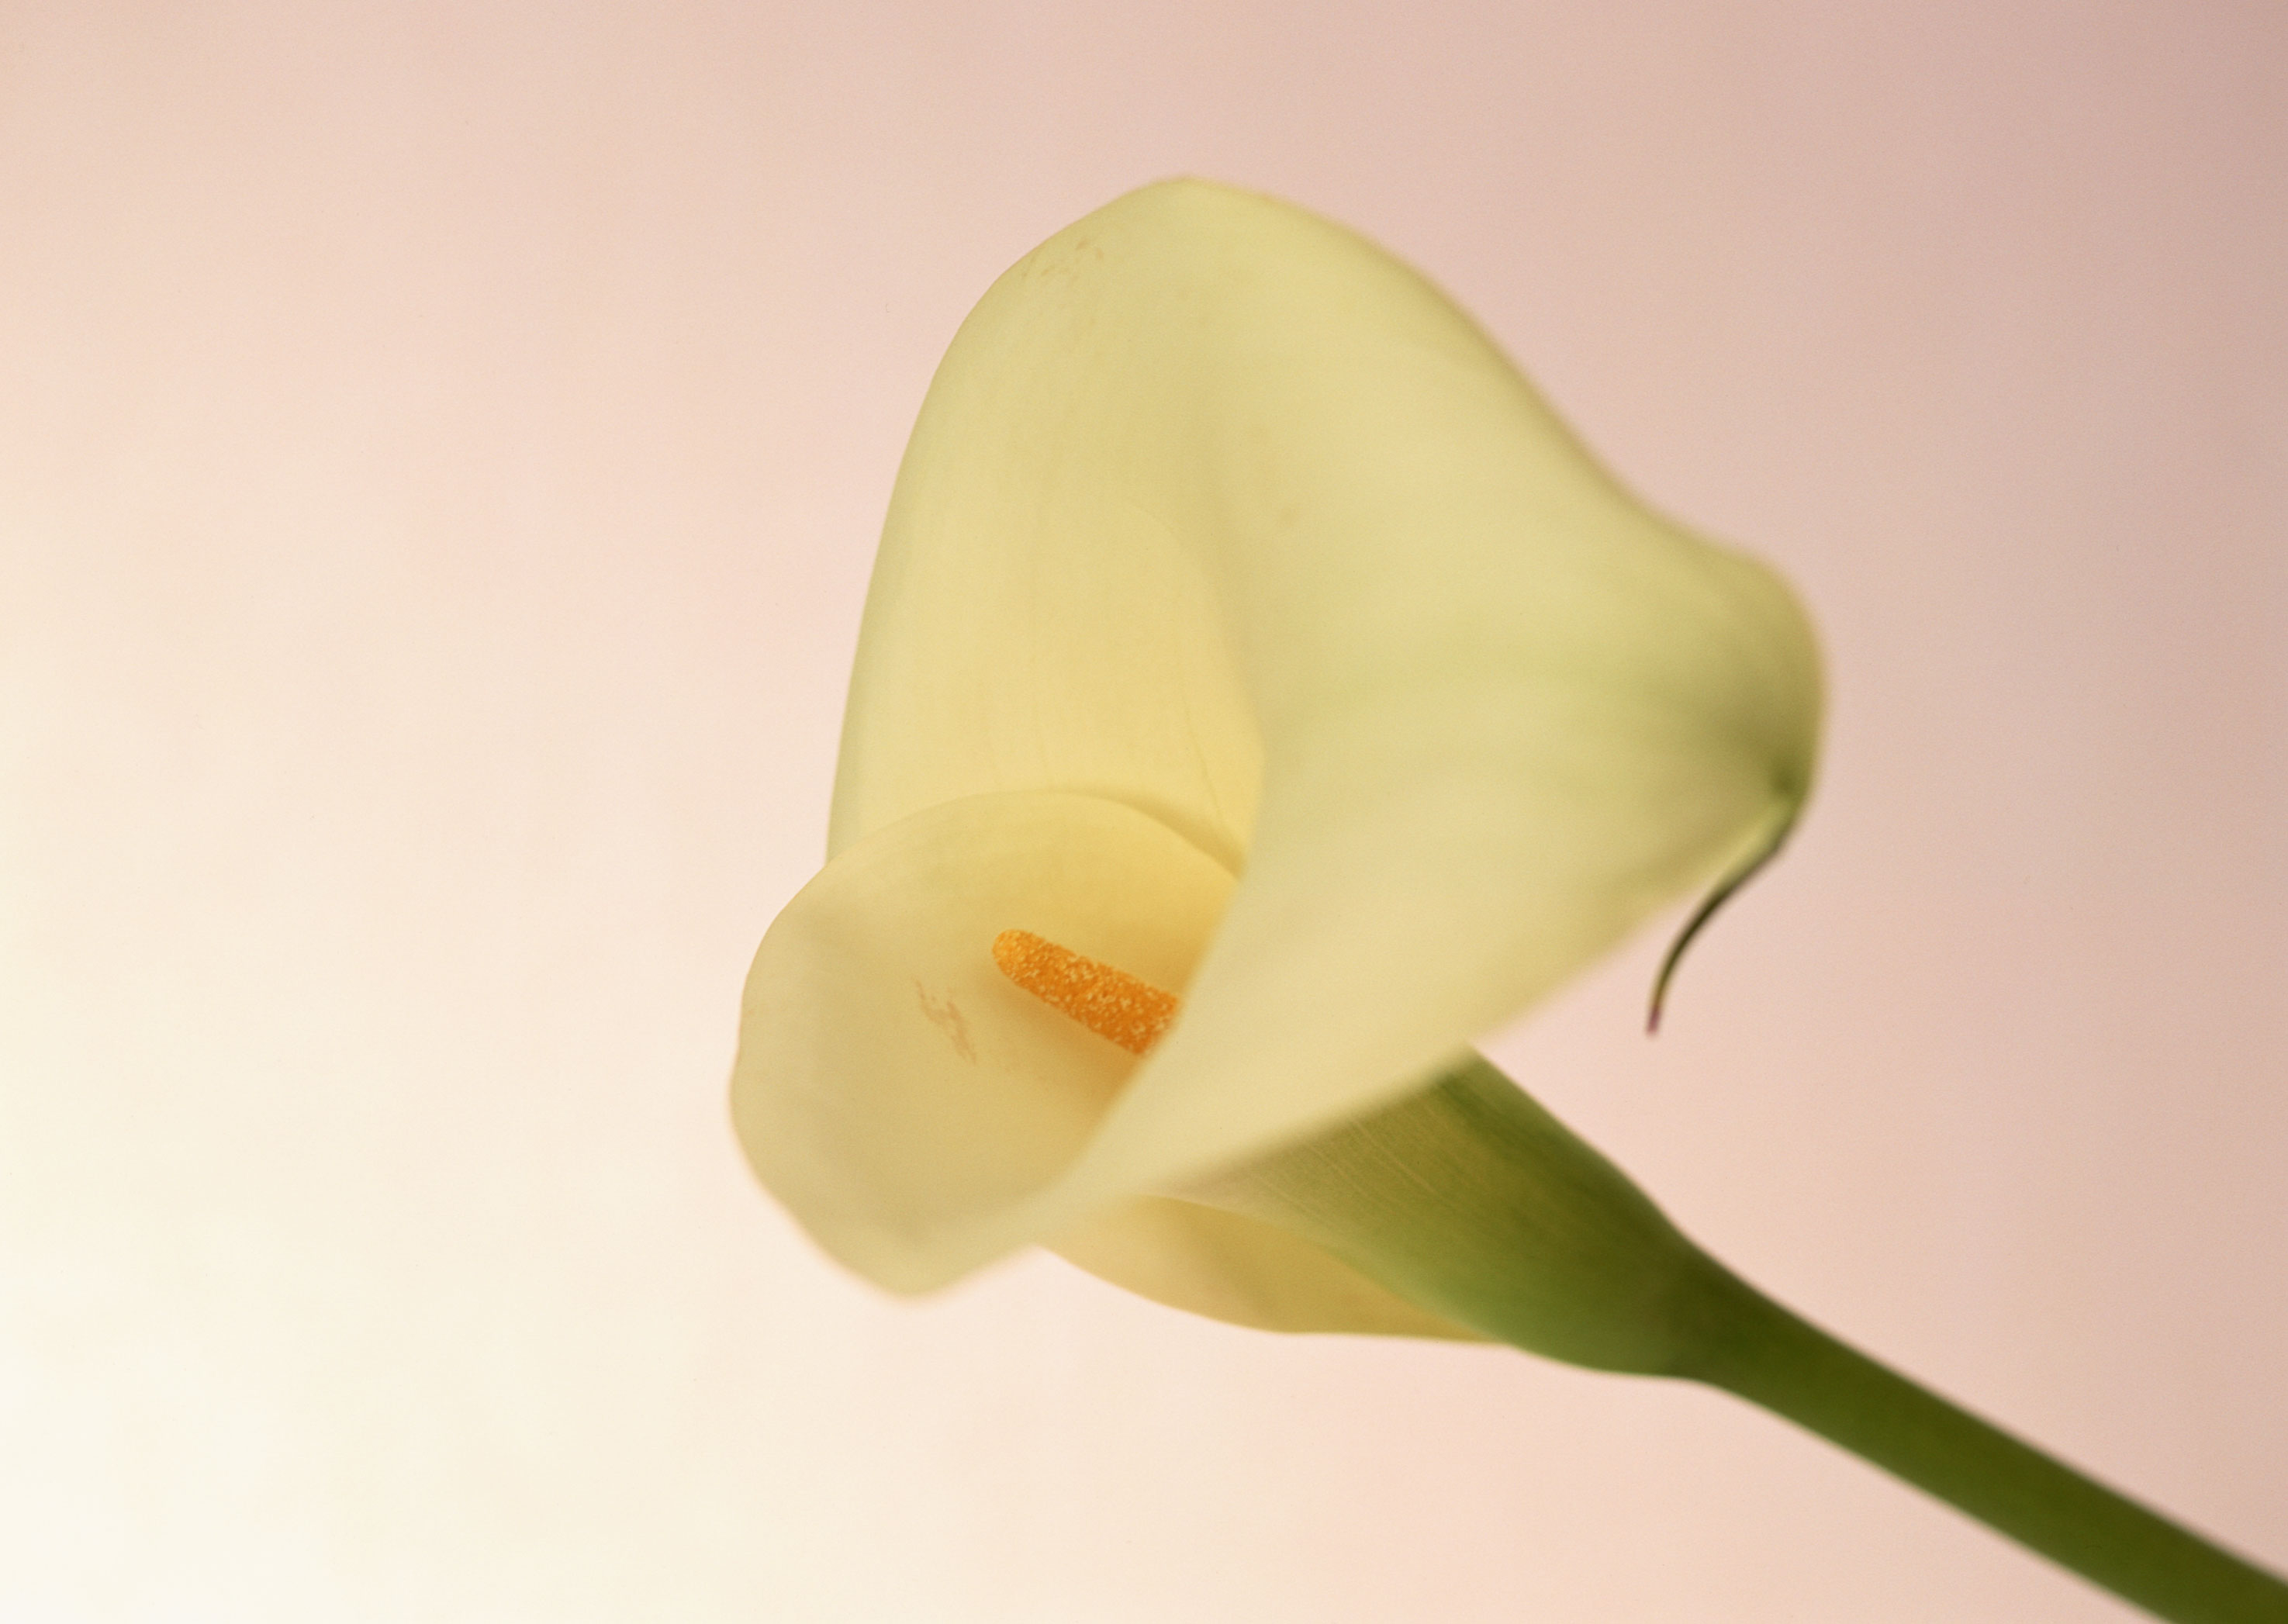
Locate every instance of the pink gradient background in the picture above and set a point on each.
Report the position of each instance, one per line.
(440, 451)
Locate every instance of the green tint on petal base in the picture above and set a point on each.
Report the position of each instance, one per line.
(1471, 1200)
(1231, 1267)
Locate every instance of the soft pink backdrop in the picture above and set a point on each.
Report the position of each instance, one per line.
(440, 453)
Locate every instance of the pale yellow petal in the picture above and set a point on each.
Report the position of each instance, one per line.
(1218, 512)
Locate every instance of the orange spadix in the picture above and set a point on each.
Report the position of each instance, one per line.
(1111, 1003)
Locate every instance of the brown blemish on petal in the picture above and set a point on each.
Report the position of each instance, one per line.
(946, 1016)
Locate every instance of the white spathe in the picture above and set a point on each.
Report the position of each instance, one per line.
(1245, 620)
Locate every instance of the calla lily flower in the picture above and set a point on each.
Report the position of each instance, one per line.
(1245, 622)
(1261, 696)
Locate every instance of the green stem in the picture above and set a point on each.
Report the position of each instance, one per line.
(1762, 1352)
(1470, 1199)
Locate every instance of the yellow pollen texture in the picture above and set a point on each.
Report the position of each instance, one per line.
(1111, 1003)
